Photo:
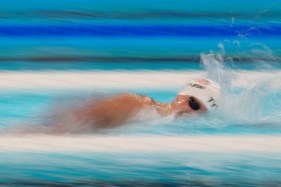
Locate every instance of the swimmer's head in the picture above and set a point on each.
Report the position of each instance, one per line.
(206, 91)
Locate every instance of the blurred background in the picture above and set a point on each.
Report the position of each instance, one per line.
(55, 52)
(135, 35)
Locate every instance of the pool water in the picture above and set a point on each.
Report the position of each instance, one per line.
(50, 50)
(144, 169)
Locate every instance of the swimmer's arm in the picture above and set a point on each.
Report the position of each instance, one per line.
(116, 111)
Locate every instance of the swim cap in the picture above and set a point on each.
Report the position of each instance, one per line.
(207, 91)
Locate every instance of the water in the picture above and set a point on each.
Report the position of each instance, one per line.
(133, 169)
(57, 53)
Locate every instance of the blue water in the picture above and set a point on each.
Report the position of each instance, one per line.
(130, 35)
(94, 169)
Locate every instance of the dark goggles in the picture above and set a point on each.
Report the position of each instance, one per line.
(194, 104)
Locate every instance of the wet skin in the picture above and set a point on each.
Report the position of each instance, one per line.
(117, 110)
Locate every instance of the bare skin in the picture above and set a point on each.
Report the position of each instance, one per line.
(117, 110)
(109, 113)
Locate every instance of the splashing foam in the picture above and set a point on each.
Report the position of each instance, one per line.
(242, 103)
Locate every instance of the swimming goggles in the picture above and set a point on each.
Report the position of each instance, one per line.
(194, 104)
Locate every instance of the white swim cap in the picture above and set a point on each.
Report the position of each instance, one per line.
(207, 91)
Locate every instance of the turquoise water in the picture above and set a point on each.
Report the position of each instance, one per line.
(143, 35)
(146, 169)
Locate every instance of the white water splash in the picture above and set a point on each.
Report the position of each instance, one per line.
(241, 103)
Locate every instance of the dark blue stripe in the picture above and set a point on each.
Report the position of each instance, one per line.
(133, 31)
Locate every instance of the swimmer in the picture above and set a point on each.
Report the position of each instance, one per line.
(197, 96)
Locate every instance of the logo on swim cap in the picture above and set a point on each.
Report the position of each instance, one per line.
(202, 81)
(207, 91)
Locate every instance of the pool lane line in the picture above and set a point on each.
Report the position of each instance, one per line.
(121, 79)
(97, 143)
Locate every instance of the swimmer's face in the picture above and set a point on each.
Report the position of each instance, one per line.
(186, 105)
